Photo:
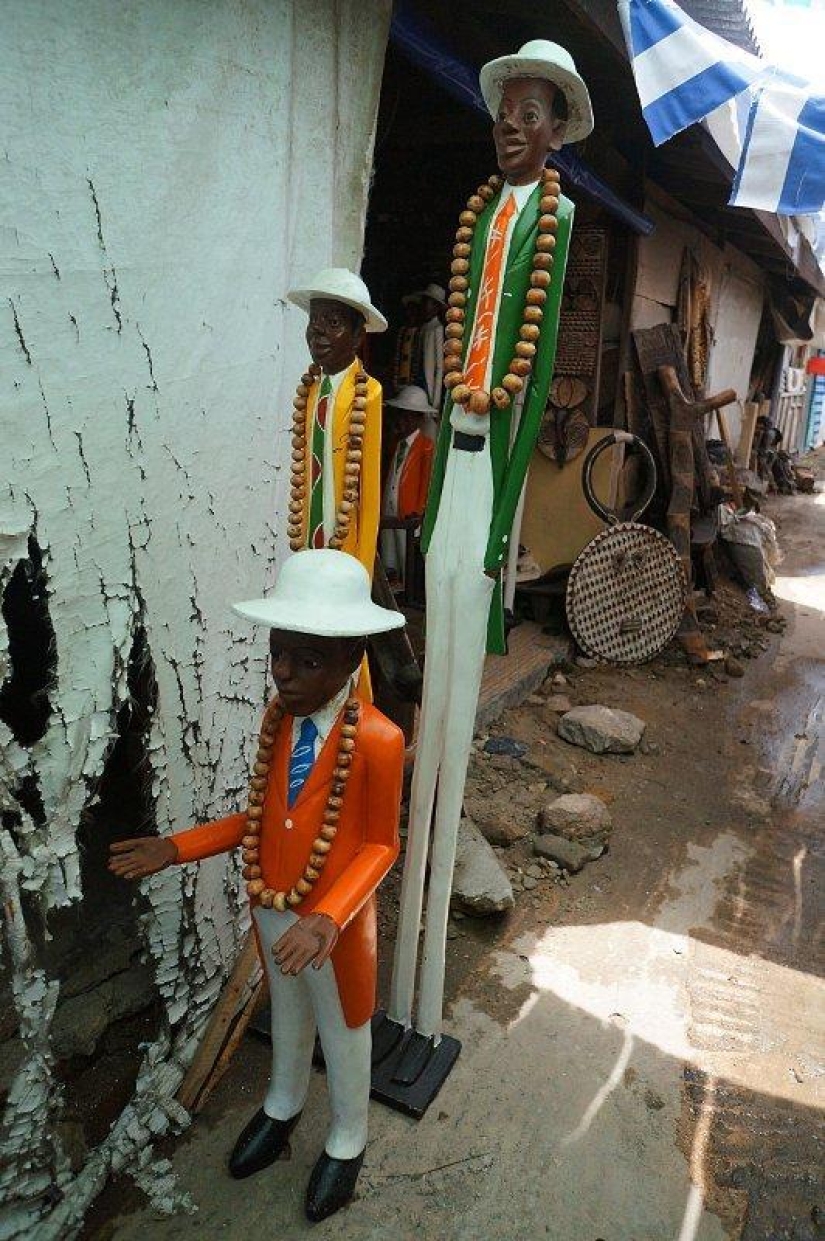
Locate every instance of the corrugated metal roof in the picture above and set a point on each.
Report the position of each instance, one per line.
(728, 18)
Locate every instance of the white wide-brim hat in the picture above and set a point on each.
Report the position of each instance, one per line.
(340, 285)
(435, 291)
(412, 398)
(325, 593)
(542, 59)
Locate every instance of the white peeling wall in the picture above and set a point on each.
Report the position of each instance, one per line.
(168, 170)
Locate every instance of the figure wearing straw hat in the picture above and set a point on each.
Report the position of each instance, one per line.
(319, 833)
(502, 321)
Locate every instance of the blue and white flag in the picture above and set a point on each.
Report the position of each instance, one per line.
(684, 72)
(782, 168)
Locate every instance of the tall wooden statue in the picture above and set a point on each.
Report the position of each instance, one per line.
(505, 292)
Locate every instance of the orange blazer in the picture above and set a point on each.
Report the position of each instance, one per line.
(362, 539)
(415, 477)
(362, 853)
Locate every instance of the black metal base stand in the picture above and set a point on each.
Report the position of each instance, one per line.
(408, 1069)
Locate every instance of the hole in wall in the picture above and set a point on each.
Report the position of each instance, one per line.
(24, 695)
(109, 1003)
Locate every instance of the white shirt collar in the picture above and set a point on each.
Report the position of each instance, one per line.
(323, 719)
(520, 192)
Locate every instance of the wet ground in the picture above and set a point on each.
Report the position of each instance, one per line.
(642, 1049)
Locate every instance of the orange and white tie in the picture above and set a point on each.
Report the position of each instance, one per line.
(475, 367)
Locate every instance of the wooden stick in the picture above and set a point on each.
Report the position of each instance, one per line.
(223, 1014)
(230, 1047)
(736, 490)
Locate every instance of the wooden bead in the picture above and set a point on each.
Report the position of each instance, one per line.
(454, 315)
(459, 284)
(546, 205)
(495, 181)
(542, 262)
(346, 745)
(453, 346)
(254, 812)
(348, 730)
(529, 331)
(311, 874)
(319, 845)
(296, 506)
(520, 366)
(344, 762)
(452, 379)
(303, 887)
(255, 887)
(454, 331)
(335, 542)
(335, 802)
(459, 267)
(296, 545)
(266, 898)
(500, 398)
(461, 393)
(464, 234)
(545, 243)
(475, 203)
(251, 872)
(467, 219)
(536, 297)
(540, 279)
(461, 250)
(299, 402)
(479, 402)
(533, 314)
(249, 857)
(359, 402)
(328, 832)
(317, 861)
(337, 788)
(279, 902)
(457, 301)
(486, 192)
(512, 384)
(294, 534)
(354, 454)
(294, 898)
(525, 349)
(251, 842)
(297, 454)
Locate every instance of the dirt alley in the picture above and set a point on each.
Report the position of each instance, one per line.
(642, 1049)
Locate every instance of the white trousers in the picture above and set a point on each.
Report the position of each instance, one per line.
(394, 551)
(299, 1005)
(458, 604)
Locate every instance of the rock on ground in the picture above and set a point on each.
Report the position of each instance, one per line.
(602, 730)
(582, 817)
(568, 854)
(480, 883)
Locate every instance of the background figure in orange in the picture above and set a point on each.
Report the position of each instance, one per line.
(408, 477)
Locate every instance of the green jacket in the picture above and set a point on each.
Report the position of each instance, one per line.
(509, 468)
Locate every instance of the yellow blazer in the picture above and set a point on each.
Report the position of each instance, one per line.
(362, 539)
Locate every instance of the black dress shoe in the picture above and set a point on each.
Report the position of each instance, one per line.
(331, 1185)
(260, 1144)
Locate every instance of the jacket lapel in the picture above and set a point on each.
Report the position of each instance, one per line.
(340, 430)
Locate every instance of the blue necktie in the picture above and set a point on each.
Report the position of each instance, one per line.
(302, 760)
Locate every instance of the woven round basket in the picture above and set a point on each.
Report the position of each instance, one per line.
(626, 591)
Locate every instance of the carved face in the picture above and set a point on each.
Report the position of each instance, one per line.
(309, 671)
(334, 334)
(525, 129)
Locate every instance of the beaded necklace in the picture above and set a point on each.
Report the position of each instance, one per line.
(296, 527)
(255, 886)
(478, 401)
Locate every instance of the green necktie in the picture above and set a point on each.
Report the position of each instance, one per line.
(316, 495)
